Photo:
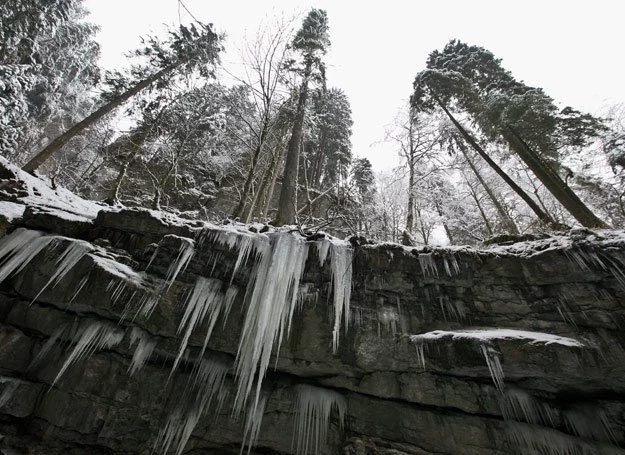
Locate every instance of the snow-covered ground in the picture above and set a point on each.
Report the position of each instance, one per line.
(60, 201)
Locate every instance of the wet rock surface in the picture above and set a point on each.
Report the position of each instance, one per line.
(454, 394)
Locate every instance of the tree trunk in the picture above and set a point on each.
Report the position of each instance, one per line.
(240, 208)
(489, 228)
(542, 216)
(439, 210)
(552, 181)
(288, 195)
(508, 221)
(410, 208)
(79, 127)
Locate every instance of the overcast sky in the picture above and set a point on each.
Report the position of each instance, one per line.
(573, 49)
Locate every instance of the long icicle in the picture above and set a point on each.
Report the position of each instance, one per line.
(312, 416)
(341, 262)
(19, 248)
(271, 304)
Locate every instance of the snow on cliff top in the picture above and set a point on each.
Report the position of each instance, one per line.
(59, 201)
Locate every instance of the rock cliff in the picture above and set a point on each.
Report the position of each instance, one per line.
(131, 331)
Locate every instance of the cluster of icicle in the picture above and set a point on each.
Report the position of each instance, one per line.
(531, 422)
(271, 299)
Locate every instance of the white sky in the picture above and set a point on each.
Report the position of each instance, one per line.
(573, 49)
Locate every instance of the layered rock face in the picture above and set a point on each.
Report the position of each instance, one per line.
(128, 331)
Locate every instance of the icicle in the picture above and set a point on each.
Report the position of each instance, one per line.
(421, 354)
(244, 242)
(253, 423)
(494, 365)
(270, 304)
(588, 423)
(200, 391)
(145, 346)
(517, 404)
(543, 440)
(147, 305)
(91, 337)
(428, 265)
(185, 254)
(45, 349)
(356, 315)
(312, 416)
(19, 248)
(388, 318)
(323, 247)
(9, 387)
(83, 281)
(206, 298)
(74, 252)
(341, 257)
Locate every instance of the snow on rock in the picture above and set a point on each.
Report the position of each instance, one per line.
(57, 201)
(117, 269)
(487, 335)
(11, 210)
(483, 338)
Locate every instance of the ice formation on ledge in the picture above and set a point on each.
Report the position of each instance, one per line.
(185, 254)
(90, 337)
(19, 248)
(491, 356)
(143, 351)
(543, 440)
(484, 338)
(253, 423)
(341, 262)
(206, 299)
(72, 254)
(428, 265)
(270, 307)
(202, 390)
(517, 404)
(273, 294)
(312, 415)
(486, 335)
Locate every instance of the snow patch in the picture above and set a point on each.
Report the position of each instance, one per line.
(41, 194)
(484, 338)
(487, 335)
(11, 211)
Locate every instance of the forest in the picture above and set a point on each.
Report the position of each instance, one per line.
(484, 155)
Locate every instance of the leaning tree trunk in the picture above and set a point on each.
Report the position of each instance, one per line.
(475, 197)
(508, 221)
(287, 206)
(552, 181)
(542, 216)
(79, 127)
